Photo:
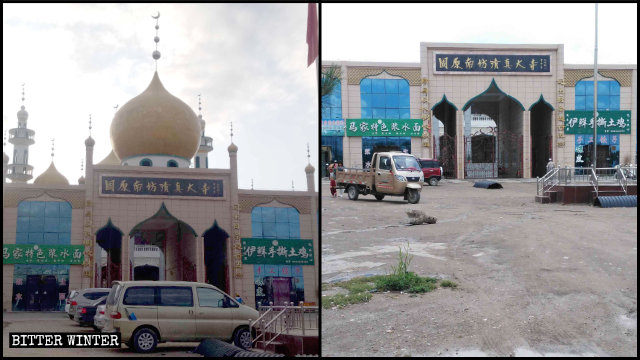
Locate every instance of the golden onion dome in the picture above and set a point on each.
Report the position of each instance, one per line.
(111, 159)
(81, 180)
(232, 148)
(155, 123)
(51, 176)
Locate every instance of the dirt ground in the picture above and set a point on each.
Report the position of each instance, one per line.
(533, 279)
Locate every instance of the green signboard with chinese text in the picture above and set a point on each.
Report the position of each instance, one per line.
(277, 251)
(384, 127)
(609, 122)
(42, 254)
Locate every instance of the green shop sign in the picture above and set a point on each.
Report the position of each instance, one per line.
(277, 251)
(42, 254)
(384, 127)
(609, 122)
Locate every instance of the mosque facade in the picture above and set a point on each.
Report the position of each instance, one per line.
(143, 214)
(482, 110)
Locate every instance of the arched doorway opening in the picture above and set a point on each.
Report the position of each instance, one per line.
(215, 257)
(444, 130)
(541, 137)
(163, 242)
(504, 112)
(109, 259)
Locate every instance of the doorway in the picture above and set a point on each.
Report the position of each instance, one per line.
(41, 292)
(281, 289)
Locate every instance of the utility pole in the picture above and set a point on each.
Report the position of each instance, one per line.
(595, 98)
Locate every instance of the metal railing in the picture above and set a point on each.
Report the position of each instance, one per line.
(619, 175)
(277, 320)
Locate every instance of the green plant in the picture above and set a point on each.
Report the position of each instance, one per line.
(404, 259)
(448, 283)
(330, 79)
(342, 300)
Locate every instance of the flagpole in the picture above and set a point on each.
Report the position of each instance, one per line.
(595, 98)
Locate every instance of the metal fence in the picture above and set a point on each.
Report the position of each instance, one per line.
(619, 175)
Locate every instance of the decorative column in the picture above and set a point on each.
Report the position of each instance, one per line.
(236, 260)
(460, 156)
(91, 248)
(526, 144)
(426, 119)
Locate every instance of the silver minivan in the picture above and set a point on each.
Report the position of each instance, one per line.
(149, 312)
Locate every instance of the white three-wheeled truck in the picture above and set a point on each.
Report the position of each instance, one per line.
(391, 173)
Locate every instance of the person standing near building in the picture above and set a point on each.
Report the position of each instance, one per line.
(550, 165)
(239, 299)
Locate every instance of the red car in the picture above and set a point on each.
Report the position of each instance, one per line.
(432, 171)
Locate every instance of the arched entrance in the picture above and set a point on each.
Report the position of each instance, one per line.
(494, 107)
(444, 114)
(163, 242)
(109, 239)
(215, 257)
(541, 137)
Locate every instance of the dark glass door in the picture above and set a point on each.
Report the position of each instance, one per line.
(281, 288)
(49, 295)
(32, 293)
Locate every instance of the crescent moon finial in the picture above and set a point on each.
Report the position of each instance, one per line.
(157, 16)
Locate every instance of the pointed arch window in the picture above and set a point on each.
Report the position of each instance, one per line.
(146, 162)
(172, 163)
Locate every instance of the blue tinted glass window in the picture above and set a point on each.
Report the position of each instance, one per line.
(391, 101)
(64, 225)
(335, 145)
(268, 230)
(603, 88)
(614, 88)
(268, 214)
(403, 87)
(23, 208)
(35, 238)
(51, 238)
(282, 215)
(392, 114)
(365, 86)
(603, 102)
(51, 225)
(64, 238)
(580, 88)
(65, 210)
(365, 101)
(332, 104)
(377, 86)
(405, 114)
(589, 102)
(580, 103)
(282, 230)
(36, 224)
(614, 102)
(37, 209)
(379, 113)
(22, 237)
(294, 216)
(391, 86)
(588, 88)
(256, 229)
(294, 230)
(52, 209)
(378, 100)
(403, 101)
(23, 225)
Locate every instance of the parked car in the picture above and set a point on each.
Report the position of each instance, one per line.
(87, 310)
(70, 297)
(84, 297)
(148, 312)
(432, 171)
(100, 318)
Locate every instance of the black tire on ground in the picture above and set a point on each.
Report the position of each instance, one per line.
(379, 196)
(433, 181)
(242, 338)
(413, 196)
(144, 340)
(70, 317)
(95, 328)
(353, 193)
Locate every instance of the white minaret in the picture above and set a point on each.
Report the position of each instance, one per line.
(21, 138)
(201, 159)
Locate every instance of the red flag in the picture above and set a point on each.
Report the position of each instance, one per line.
(312, 34)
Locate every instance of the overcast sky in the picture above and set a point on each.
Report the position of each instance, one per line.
(393, 32)
(249, 62)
